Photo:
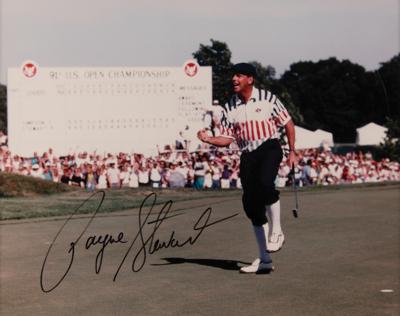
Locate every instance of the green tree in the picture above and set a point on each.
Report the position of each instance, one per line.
(3, 108)
(388, 76)
(265, 79)
(391, 145)
(218, 56)
(332, 95)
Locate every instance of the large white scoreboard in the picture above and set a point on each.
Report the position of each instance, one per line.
(129, 109)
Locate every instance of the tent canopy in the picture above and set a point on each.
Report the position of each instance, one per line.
(370, 134)
(309, 139)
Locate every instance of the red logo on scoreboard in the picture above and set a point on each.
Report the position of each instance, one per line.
(29, 69)
(191, 69)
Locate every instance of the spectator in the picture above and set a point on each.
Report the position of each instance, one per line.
(77, 178)
(208, 179)
(199, 173)
(190, 177)
(47, 173)
(90, 178)
(56, 174)
(155, 176)
(102, 179)
(124, 175)
(225, 178)
(113, 176)
(176, 179)
(37, 171)
(66, 177)
(282, 178)
(324, 176)
(307, 174)
(234, 176)
(183, 169)
(216, 175)
(143, 176)
(133, 179)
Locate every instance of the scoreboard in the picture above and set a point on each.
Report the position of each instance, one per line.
(112, 109)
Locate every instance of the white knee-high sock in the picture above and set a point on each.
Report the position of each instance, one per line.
(274, 216)
(262, 243)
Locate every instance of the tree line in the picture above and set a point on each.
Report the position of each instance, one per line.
(334, 95)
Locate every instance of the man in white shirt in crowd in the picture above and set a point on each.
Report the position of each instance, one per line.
(113, 176)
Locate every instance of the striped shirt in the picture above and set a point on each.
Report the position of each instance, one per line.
(254, 122)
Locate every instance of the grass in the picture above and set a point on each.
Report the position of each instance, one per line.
(115, 200)
(13, 185)
(26, 197)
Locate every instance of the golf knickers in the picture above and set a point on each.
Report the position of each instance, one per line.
(258, 171)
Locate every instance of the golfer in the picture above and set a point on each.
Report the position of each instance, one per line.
(252, 118)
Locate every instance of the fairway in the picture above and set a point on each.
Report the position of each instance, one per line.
(341, 257)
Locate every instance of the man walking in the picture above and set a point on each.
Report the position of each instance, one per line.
(251, 118)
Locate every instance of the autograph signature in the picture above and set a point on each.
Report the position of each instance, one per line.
(148, 243)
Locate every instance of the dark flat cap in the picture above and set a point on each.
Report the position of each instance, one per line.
(244, 69)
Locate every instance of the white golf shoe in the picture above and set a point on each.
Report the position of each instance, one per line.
(275, 242)
(258, 267)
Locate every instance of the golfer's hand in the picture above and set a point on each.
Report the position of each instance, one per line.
(202, 135)
(292, 159)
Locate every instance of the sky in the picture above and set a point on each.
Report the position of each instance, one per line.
(100, 33)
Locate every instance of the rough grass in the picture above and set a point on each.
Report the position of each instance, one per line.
(26, 197)
(13, 185)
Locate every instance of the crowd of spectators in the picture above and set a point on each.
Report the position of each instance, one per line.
(324, 167)
(203, 169)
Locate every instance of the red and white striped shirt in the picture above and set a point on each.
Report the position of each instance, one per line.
(254, 122)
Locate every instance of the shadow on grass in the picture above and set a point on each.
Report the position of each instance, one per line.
(232, 265)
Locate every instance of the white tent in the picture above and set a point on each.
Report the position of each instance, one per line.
(325, 137)
(370, 134)
(309, 139)
(305, 138)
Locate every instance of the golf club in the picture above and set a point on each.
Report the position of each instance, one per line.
(296, 209)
